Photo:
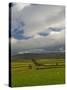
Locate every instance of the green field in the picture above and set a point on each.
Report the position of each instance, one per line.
(53, 72)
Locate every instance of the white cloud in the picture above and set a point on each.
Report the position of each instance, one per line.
(13, 40)
(37, 19)
(54, 39)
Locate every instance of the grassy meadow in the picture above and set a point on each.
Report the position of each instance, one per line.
(26, 73)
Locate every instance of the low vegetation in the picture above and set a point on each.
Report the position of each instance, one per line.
(27, 73)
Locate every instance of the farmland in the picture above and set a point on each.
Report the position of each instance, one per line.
(26, 73)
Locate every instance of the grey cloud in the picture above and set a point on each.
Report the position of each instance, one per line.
(36, 21)
(50, 29)
(57, 29)
(43, 33)
(40, 16)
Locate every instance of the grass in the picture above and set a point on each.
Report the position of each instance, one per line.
(23, 76)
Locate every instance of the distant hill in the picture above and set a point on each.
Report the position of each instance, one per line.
(39, 55)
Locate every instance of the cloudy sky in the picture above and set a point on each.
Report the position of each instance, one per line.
(37, 28)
